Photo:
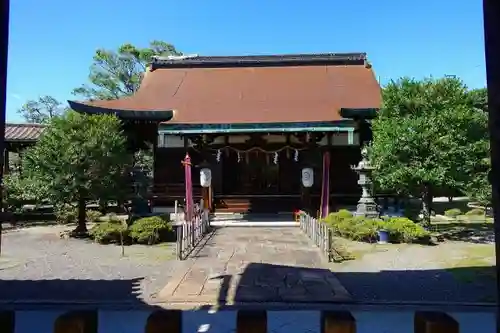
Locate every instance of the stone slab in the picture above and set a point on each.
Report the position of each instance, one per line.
(255, 265)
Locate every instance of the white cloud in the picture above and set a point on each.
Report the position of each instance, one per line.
(16, 96)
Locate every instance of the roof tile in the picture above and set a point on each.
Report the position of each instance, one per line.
(23, 132)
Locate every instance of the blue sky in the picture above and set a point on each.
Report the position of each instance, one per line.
(51, 45)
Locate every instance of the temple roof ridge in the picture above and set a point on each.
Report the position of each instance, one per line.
(298, 59)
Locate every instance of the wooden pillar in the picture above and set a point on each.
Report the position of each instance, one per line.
(207, 197)
(491, 11)
(306, 199)
(155, 148)
(434, 322)
(4, 21)
(251, 322)
(6, 167)
(306, 191)
(338, 322)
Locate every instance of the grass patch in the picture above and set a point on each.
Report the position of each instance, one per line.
(154, 253)
(352, 250)
(476, 266)
(464, 228)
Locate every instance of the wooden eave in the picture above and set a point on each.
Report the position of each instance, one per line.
(149, 115)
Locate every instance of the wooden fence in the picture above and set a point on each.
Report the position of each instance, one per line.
(319, 233)
(190, 233)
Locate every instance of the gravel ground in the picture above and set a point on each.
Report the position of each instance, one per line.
(36, 264)
(449, 272)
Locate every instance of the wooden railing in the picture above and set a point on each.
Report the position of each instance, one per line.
(319, 233)
(190, 233)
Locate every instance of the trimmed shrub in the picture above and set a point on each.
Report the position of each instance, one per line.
(69, 214)
(453, 213)
(150, 230)
(475, 212)
(93, 215)
(345, 225)
(403, 230)
(109, 232)
(400, 229)
(66, 214)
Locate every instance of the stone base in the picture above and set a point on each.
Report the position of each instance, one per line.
(368, 210)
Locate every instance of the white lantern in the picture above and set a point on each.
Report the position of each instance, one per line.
(205, 177)
(307, 177)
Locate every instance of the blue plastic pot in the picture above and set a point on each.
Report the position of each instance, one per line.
(383, 237)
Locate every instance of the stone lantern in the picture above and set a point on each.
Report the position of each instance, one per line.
(367, 207)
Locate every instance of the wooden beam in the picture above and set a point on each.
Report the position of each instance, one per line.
(491, 13)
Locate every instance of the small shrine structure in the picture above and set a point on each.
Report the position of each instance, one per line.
(271, 133)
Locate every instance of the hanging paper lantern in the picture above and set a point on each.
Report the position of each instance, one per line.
(205, 177)
(307, 177)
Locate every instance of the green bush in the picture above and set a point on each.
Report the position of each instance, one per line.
(18, 191)
(65, 214)
(403, 230)
(93, 215)
(357, 228)
(69, 214)
(345, 225)
(151, 230)
(109, 232)
(475, 212)
(454, 212)
(337, 217)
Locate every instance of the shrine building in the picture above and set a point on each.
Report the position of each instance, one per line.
(260, 124)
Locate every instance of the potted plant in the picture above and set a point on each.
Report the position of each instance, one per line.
(383, 236)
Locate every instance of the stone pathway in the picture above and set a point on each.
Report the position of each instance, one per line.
(255, 264)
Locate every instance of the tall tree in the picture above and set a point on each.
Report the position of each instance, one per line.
(114, 74)
(80, 158)
(479, 98)
(40, 111)
(428, 136)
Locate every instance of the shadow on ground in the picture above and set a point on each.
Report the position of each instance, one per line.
(257, 283)
(464, 285)
(457, 285)
(76, 304)
(478, 232)
(461, 285)
(71, 290)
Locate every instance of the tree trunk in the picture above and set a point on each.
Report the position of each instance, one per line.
(103, 206)
(426, 205)
(82, 225)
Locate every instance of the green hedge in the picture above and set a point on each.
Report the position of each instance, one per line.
(110, 231)
(475, 212)
(151, 230)
(147, 230)
(400, 229)
(453, 213)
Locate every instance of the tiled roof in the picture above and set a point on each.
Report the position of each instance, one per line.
(259, 60)
(263, 89)
(23, 132)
